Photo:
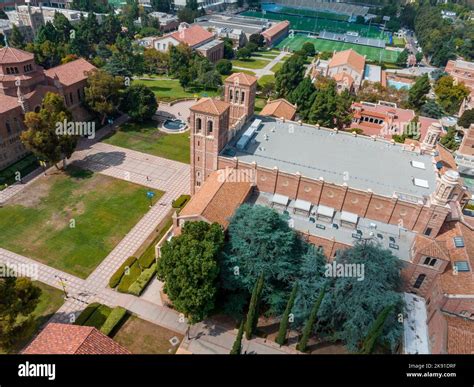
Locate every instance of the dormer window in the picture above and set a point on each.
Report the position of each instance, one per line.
(429, 261)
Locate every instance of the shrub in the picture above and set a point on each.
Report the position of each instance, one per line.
(148, 257)
(117, 276)
(224, 66)
(130, 278)
(181, 201)
(113, 320)
(98, 318)
(141, 283)
(86, 313)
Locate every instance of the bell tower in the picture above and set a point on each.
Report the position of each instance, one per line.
(239, 91)
(432, 137)
(209, 121)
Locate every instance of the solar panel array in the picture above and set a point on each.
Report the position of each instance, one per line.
(351, 38)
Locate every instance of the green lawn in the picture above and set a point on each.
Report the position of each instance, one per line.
(72, 220)
(277, 67)
(373, 53)
(259, 104)
(50, 301)
(266, 79)
(170, 90)
(399, 42)
(148, 139)
(251, 63)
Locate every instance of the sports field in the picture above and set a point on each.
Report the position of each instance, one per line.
(313, 24)
(309, 12)
(372, 53)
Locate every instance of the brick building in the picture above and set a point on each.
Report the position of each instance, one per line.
(23, 85)
(194, 36)
(339, 188)
(276, 33)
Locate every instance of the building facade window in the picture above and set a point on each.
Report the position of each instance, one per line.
(419, 281)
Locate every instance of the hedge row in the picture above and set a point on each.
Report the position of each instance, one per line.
(130, 277)
(115, 316)
(98, 317)
(143, 280)
(86, 313)
(117, 276)
(181, 201)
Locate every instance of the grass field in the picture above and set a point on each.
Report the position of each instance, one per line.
(148, 139)
(170, 90)
(305, 23)
(373, 53)
(277, 67)
(37, 222)
(142, 337)
(252, 63)
(50, 301)
(266, 79)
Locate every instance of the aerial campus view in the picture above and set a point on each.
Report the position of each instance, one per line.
(236, 177)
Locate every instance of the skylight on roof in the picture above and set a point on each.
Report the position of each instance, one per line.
(461, 266)
(421, 183)
(458, 242)
(418, 164)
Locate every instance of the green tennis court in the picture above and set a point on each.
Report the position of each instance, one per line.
(310, 24)
(372, 53)
(312, 13)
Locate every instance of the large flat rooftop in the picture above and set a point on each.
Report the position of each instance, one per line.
(338, 158)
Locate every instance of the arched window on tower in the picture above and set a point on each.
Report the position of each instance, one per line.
(198, 125)
(237, 96)
(242, 97)
(209, 127)
(230, 95)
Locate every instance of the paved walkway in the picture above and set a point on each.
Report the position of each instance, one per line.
(267, 69)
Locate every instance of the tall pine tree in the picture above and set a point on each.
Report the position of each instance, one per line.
(285, 319)
(375, 331)
(237, 347)
(308, 328)
(252, 315)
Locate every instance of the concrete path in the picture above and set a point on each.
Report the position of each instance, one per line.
(267, 69)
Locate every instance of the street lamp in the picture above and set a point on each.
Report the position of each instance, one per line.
(62, 282)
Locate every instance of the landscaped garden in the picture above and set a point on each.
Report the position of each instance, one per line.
(145, 137)
(24, 166)
(251, 63)
(167, 89)
(72, 220)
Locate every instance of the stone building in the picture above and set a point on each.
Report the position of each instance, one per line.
(23, 85)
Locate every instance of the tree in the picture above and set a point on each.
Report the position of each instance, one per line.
(449, 140)
(110, 28)
(417, 93)
(303, 96)
(102, 93)
(257, 39)
(43, 137)
(161, 5)
(155, 62)
(419, 57)
(309, 49)
(228, 48)
(179, 58)
(290, 75)
(16, 38)
(224, 67)
(63, 26)
(432, 109)
(259, 241)
(402, 58)
(188, 266)
(243, 53)
(18, 299)
(467, 118)
(350, 307)
(252, 314)
(375, 331)
(139, 102)
(308, 328)
(237, 346)
(285, 319)
(450, 95)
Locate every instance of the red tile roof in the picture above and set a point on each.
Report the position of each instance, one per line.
(218, 198)
(13, 55)
(73, 339)
(348, 57)
(72, 72)
(210, 106)
(460, 336)
(193, 35)
(275, 29)
(241, 79)
(279, 108)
